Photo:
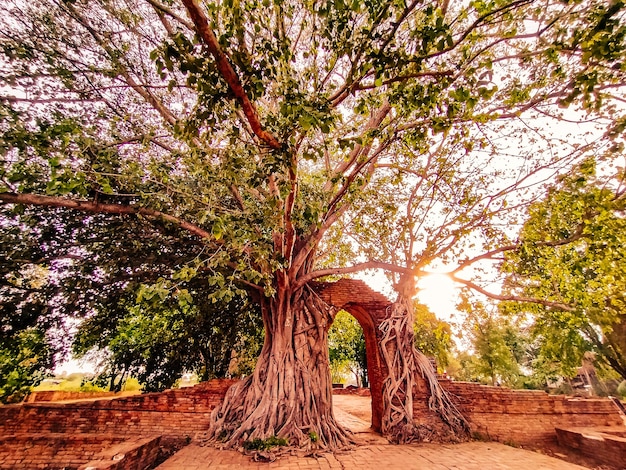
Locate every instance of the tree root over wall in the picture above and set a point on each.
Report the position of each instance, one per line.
(404, 362)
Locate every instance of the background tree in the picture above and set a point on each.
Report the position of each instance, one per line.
(157, 342)
(498, 346)
(269, 131)
(25, 358)
(346, 348)
(56, 272)
(572, 253)
(433, 337)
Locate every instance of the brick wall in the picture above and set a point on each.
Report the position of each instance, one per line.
(604, 447)
(129, 455)
(173, 413)
(59, 395)
(62, 451)
(524, 417)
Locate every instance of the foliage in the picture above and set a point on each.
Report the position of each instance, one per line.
(572, 253)
(25, 360)
(118, 292)
(265, 444)
(498, 347)
(91, 387)
(621, 390)
(346, 347)
(158, 341)
(433, 337)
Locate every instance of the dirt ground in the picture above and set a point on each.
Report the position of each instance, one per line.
(361, 407)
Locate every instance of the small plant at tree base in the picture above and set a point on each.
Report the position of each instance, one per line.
(477, 436)
(265, 444)
(511, 444)
(313, 436)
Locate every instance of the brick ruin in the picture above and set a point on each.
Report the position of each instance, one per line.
(520, 417)
(124, 433)
(113, 434)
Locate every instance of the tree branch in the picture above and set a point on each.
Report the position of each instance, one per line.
(352, 269)
(577, 235)
(168, 11)
(96, 207)
(201, 23)
(514, 298)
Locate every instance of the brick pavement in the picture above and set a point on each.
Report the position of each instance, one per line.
(374, 452)
(466, 456)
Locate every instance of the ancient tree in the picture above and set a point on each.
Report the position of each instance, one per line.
(296, 140)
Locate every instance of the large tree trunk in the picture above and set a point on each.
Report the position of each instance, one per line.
(289, 395)
(405, 366)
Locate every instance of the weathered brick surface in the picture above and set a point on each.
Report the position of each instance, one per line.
(129, 455)
(173, 413)
(350, 291)
(606, 447)
(524, 417)
(63, 451)
(59, 395)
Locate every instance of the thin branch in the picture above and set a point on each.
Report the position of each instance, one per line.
(352, 269)
(96, 207)
(168, 11)
(577, 235)
(514, 298)
(201, 23)
(401, 78)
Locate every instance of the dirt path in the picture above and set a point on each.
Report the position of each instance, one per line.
(358, 406)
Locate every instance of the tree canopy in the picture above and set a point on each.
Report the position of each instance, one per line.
(270, 143)
(572, 253)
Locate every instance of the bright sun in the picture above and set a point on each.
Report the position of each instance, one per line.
(439, 293)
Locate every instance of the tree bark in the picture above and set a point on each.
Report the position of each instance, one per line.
(405, 366)
(289, 394)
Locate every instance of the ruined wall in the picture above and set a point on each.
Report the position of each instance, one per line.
(60, 451)
(33, 451)
(59, 395)
(173, 413)
(605, 445)
(523, 417)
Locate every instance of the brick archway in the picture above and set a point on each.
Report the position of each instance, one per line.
(369, 308)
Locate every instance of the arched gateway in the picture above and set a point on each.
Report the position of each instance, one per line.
(369, 308)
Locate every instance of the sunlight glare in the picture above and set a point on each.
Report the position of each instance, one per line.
(439, 293)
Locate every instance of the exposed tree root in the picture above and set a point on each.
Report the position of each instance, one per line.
(289, 395)
(404, 362)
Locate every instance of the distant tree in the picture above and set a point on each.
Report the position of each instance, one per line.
(433, 337)
(497, 346)
(56, 272)
(25, 360)
(573, 253)
(346, 347)
(157, 342)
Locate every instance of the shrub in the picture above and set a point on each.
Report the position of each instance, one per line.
(265, 444)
